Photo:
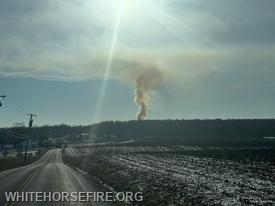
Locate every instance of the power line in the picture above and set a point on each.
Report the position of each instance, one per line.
(13, 134)
(17, 106)
(11, 100)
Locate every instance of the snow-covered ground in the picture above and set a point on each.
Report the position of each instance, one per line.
(179, 177)
(133, 149)
(222, 181)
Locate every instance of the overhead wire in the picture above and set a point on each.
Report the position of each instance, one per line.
(18, 108)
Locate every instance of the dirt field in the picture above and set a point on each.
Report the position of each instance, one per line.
(191, 176)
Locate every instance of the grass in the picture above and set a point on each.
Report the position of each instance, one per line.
(15, 162)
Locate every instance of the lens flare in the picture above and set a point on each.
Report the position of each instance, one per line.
(108, 66)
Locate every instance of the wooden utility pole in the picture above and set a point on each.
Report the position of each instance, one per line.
(27, 141)
(1, 98)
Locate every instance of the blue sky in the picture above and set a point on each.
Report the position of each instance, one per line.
(77, 61)
(62, 101)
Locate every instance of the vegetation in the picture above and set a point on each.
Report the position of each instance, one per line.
(188, 131)
(198, 132)
(16, 162)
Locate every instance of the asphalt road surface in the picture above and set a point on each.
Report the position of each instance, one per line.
(48, 174)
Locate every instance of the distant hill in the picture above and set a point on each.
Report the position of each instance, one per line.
(187, 131)
(198, 132)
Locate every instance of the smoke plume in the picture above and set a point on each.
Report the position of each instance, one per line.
(148, 80)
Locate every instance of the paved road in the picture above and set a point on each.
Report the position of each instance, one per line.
(49, 174)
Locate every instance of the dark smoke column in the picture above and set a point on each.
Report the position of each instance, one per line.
(141, 102)
(148, 80)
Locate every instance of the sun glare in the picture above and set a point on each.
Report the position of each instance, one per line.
(120, 18)
(129, 3)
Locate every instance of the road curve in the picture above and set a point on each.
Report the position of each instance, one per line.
(48, 174)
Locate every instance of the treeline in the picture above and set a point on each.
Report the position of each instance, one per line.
(58, 131)
(44, 135)
(185, 130)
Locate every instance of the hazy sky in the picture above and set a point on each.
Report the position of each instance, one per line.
(76, 61)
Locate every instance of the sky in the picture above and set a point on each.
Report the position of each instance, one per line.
(79, 61)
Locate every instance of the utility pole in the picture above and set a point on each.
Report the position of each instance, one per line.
(2, 97)
(27, 141)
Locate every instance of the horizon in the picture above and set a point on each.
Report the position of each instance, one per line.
(135, 120)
